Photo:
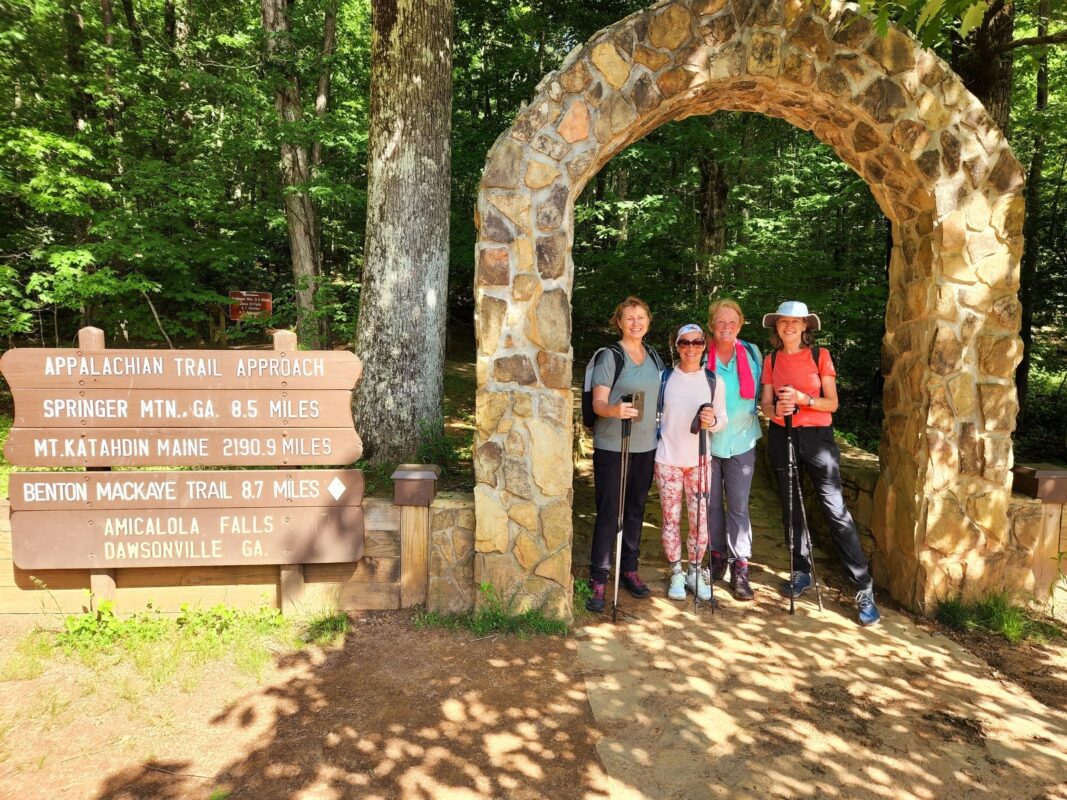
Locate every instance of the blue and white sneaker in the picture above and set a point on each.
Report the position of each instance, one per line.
(867, 610)
(799, 584)
(696, 581)
(676, 589)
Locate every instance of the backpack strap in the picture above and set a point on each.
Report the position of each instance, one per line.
(616, 350)
(815, 352)
(655, 357)
(664, 376)
(753, 356)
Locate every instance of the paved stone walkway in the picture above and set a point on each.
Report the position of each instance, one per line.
(750, 702)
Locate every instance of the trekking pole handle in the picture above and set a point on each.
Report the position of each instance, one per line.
(627, 422)
(788, 417)
(695, 425)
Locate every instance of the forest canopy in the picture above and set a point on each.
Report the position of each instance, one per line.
(139, 175)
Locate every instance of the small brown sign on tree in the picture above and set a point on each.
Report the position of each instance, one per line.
(244, 305)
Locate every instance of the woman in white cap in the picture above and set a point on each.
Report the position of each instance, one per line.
(799, 380)
(686, 391)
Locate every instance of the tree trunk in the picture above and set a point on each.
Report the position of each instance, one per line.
(107, 18)
(74, 29)
(322, 97)
(1032, 226)
(986, 69)
(135, 30)
(401, 334)
(300, 214)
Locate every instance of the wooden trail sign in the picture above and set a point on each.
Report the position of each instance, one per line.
(102, 539)
(125, 491)
(108, 520)
(94, 407)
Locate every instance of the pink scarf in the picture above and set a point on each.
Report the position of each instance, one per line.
(744, 372)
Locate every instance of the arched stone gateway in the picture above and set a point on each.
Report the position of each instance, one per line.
(940, 170)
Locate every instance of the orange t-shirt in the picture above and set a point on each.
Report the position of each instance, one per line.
(798, 370)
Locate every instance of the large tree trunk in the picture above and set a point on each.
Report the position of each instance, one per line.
(401, 335)
(986, 67)
(300, 214)
(1032, 227)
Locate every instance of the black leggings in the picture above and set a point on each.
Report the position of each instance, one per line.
(818, 455)
(606, 478)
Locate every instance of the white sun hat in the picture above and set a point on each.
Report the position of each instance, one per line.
(793, 308)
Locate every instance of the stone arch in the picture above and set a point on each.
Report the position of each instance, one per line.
(940, 170)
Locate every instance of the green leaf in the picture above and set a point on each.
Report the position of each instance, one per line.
(973, 17)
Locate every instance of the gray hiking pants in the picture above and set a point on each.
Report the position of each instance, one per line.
(729, 526)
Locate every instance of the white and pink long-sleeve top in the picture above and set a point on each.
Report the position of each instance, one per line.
(685, 393)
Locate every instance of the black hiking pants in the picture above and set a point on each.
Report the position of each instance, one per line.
(607, 476)
(818, 455)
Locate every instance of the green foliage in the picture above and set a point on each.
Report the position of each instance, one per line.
(327, 628)
(166, 648)
(437, 447)
(493, 617)
(996, 613)
(583, 590)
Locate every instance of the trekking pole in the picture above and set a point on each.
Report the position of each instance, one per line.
(806, 532)
(624, 470)
(704, 500)
(791, 460)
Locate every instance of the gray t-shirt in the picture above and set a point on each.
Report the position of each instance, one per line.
(607, 433)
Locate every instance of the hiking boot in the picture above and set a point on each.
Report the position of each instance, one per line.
(696, 581)
(718, 567)
(739, 581)
(676, 590)
(634, 585)
(867, 610)
(799, 584)
(595, 602)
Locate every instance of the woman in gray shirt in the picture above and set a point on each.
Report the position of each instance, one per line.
(639, 375)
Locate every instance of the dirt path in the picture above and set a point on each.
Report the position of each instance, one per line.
(750, 702)
(669, 703)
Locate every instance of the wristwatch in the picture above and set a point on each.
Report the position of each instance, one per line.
(811, 401)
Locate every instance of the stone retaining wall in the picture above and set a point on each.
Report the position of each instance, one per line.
(452, 589)
(1033, 535)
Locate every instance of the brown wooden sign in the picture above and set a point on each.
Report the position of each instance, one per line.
(112, 539)
(94, 407)
(181, 408)
(123, 491)
(155, 447)
(49, 368)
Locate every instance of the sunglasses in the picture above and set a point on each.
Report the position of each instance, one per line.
(690, 343)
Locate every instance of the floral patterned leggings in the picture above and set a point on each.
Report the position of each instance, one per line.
(672, 481)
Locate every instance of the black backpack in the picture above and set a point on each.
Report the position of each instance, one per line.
(588, 415)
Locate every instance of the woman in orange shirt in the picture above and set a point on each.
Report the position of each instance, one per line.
(800, 380)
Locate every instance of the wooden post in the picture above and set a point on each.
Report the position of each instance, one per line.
(414, 488)
(290, 576)
(102, 582)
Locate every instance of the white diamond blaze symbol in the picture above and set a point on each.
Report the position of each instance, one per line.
(336, 488)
